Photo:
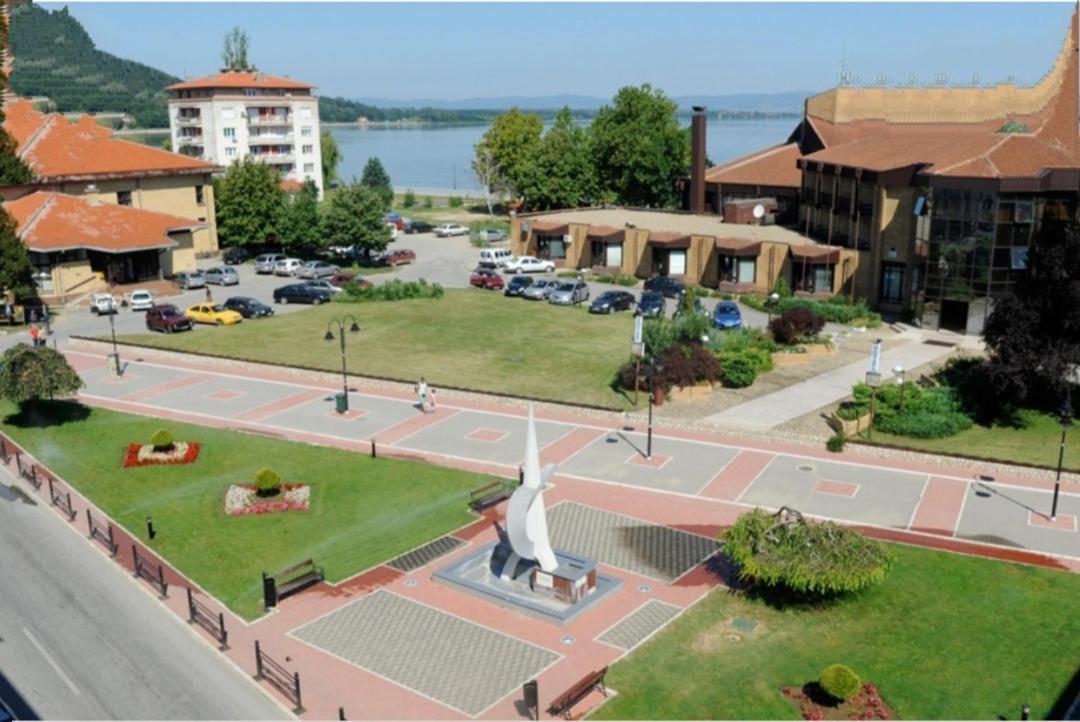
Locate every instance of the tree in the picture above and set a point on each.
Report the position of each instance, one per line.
(638, 148)
(563, 175)
(28, 375)
(331, 157)
(512, 143)
(249, 202)
(16, 272)
(12, 170)
(487, 172)
(235, 54)
(300, 219)
(356, 217)
(377, 179)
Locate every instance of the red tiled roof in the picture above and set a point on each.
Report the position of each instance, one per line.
(291, 185)
(670, 239)
(552, 227)
(55, 149)
(239, 79)
(777, 165)
(737, 246)
(607, 233)
(49, 221)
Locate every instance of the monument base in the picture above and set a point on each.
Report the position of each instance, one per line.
(495, 573)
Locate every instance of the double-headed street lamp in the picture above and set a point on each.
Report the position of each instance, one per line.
(1066, 421)
(343, 398)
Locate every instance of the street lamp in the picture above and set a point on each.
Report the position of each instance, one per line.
(774, 298)
(343, 400)
(115, 360)
(1066, 422)
(653, 369)
(898, 370)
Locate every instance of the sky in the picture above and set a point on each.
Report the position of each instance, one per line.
(456, 51)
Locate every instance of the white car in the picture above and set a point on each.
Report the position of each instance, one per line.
(287, 266)
(450, 229)
(103, 303)
(316, 269)
(528, 264)
(140, 300)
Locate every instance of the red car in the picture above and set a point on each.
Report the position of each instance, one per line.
(399, 257)
(167, 319)
(345, 277)
(486, 278)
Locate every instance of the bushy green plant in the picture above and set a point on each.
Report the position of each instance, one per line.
(781, 288)
(659, 335)
(739, 368)
(618, 279)
(392, 290)
(840, 682)
(455, 202)
(409, 199)
(161, 440)
(836, 442)
(932, 413)
(428, 202)
(267, 482)
(680, 365)
(834, 310)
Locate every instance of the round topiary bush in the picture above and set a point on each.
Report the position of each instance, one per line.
(267, 482)
(836, 442)
(162, 440)
(839, 682)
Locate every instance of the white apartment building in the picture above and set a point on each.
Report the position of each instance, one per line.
(223, 117)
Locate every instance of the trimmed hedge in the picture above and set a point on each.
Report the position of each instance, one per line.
(932, 413)
(840, 682)
(836, 442)
(267, 482)
(392, 290)
(834, 310)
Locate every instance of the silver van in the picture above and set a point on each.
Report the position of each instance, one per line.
(265, 262)
(494, 257)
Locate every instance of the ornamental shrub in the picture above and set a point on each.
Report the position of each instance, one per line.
(161, 440)
(678, 366)
(794, 324)
(393, 290)
(739, 368)
(267, 482)
(836, 442)
(840, 682)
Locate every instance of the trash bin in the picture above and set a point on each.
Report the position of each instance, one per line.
(341, 403)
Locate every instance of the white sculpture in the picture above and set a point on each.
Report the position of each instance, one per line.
(526, 520)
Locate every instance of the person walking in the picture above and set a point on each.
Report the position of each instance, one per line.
(35, 334)
(422, 394)
(209, 295)
(431, 398)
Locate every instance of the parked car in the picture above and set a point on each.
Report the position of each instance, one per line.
(287, 267)
(316, 269)
(221, 276)
(651, 304)
(495, 257)
(517, 285)
(486, 278)
(140, 300)
(612, 301)
(666, 285)
(540, 289)
(210, 313)
(301, 293)
(569, 293)
(395, 220)
(399, 257)
(167, 318)
(248, 307)
(188, 280)
(265, 263)
(726, 315)
(103, 303)
(343, 278)
(418, 227)
(325, 285)
(233, 256)
(451, 229)
(528, 264)
(491, 235)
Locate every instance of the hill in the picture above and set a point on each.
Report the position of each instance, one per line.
(791, 102)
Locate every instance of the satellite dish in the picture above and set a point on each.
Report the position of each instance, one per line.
(759, 211)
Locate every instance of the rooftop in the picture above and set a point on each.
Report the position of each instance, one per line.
(240, 79)
(777, 165)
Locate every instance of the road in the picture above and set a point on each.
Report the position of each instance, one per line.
(80, 640)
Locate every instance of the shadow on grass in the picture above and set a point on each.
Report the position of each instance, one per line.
(1069, 700)
(44, 414)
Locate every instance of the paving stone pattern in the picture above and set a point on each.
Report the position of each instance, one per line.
(648, 549)
(633, 630)
(425, 554)
(455, 662)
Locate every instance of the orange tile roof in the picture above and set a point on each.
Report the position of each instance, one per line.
(777, 165)
(49, 221)
(291, 185)
(55, 149)
(239, 79)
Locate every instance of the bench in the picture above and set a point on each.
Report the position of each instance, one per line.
(281, 584)
(488, 495)
(564, 702)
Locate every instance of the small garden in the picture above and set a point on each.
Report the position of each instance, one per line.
(393, 290)
(838, 309)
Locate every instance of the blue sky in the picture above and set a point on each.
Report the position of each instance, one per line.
(471, 50)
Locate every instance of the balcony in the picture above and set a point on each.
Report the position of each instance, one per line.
(269, 120)
(190, 140)
(275, 158)
(189, 120)
(270, 139)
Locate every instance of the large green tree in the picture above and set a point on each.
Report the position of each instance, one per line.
(331, 157)
(29, 374)
(505, 157)
(250, 204)
(638, 148)
(16, 273)
(234, 56)
(563, 175)
(356, 217)
(377, 179)
(300, 220)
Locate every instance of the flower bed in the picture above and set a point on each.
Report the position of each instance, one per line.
(814, 704)
(182, 452)
(243, 499)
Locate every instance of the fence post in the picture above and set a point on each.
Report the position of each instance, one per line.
(341, 714)
(190, 607)
(161, 580)
(135, 557)
(34, 479)
(112, 543)
(71, 509)
(89, 523)
(258, 661)
(52, 495)
(373, 449)
(296, 683)
(269, 591)
(224, 632)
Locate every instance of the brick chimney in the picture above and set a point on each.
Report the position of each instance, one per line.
(697, 160)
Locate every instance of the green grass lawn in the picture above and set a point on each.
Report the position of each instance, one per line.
(943, 637)
(473, 339)
(1036, 441)
(363, 511)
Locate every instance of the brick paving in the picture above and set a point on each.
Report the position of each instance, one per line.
(637, 627)
(426, 554)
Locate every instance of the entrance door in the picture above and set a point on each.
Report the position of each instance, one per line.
(677, 263)
(614, 255)
(954, 316)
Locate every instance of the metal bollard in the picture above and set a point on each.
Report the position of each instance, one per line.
(258, 661)
(373, 455)
(341, 714)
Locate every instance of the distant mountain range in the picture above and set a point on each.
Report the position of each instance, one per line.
(791, 102)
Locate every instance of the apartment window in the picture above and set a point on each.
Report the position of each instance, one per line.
(308, 149)
(306, 131)
(736, 269)
(309, 167)
(230, 152)
(123, 198)
(229, 132)
(199, 197)
(250, 92)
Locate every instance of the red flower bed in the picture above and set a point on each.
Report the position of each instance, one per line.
(814, 704)
(292, 497)
(131, 456)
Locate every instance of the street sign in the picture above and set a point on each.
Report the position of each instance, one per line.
(638, 350)
(875, 357)
(639, 325)
(873, 379)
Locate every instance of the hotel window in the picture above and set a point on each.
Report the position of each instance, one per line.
(306, 131)
(199, 197)
(550, 247)
(309, 167)
(229, 132)
(308, 149)
(123, 198)
(736, 269)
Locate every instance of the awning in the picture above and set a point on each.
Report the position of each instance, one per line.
(669, 239)
(607, 234)
(816, 254)
(551, 228)
(738, 247)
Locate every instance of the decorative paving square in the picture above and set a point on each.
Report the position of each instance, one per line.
(1004, 515)
(836, 488)
(636, 627)
(452, 661)
(1063, 522)
(471, 435)
(656, 462)
(637, 546)
(426, 554)
(348, 415)
(366, 418)
(224, 395)
(489, 435)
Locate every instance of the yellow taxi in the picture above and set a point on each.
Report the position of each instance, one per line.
(209, 313)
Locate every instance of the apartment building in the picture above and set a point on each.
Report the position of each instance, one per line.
(223, 117)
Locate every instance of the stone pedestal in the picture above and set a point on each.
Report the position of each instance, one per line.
(571, 582)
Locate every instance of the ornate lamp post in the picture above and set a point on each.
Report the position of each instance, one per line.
(1066, 421)
(653, 369)
(115, 366)
(774, 298)
(343, 398)
(898, 370)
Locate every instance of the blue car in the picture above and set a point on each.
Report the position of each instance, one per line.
(726, 316)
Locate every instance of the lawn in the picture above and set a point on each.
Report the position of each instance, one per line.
(1036, 441)
(363, 511)
(944, 637)
(472, 339)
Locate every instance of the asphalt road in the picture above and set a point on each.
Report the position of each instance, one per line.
(80, 640)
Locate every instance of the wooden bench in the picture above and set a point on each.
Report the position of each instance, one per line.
(281, 584)
(488, 495)
(564, 702)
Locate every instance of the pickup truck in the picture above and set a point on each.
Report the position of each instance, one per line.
(103, 303)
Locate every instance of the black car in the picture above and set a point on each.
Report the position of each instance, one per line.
(651, 304)
(612, 301)
(235, 256)
(301, 293)
(665, 285)
(517, 285)
(248, 307)
(418, 227)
